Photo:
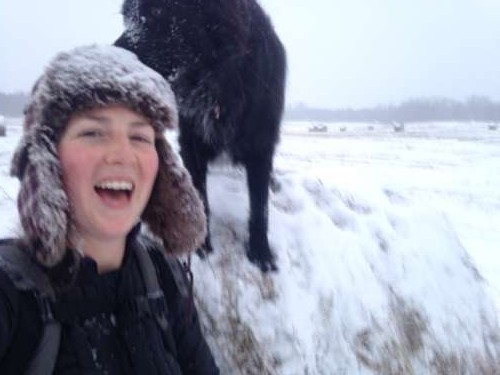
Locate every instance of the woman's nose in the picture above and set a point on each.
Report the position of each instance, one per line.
(119, 151)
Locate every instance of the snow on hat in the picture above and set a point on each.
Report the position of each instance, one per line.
(82, 79)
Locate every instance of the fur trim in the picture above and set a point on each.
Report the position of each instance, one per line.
(79, 80)
(175, 212)
(42, 203)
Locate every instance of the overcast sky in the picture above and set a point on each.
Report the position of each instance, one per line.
(342, 53)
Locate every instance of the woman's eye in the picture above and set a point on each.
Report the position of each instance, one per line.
(91, 134)
(142, 138)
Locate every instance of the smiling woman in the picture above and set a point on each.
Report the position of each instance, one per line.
(94, 166)
(109, 164)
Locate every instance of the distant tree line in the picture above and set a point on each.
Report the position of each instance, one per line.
(475, 108)
(12, 105)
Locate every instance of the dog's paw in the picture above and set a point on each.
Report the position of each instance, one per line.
(265, 263)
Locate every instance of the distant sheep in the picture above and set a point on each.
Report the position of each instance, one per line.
(319, 128)
(398, 127)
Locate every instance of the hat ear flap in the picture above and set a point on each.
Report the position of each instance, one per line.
(19, 160)
(175, 212)
(42, 203)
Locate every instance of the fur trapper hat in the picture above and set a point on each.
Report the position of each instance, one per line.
(82, 79)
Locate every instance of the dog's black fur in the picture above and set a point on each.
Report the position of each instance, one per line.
(227, 68)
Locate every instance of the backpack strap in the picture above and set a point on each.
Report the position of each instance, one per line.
(45, 356)
(154, 303)
(179, 275)
(27, 275)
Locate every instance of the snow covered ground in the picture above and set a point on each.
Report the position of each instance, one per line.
(388, 248)
(453, 168)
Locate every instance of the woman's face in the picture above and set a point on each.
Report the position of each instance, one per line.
(109, 165)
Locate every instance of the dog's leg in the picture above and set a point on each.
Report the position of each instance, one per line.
(258, 178)
(195, 155)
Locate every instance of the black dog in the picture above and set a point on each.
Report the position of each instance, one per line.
(227, 68)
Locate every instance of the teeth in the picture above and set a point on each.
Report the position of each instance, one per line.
(116, 185)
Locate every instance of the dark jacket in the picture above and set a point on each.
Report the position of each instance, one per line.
(102, 331)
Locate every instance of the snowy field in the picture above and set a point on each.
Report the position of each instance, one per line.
(388, 248)
(450, 167)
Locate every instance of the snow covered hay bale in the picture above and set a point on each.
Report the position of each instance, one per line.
(368, 284)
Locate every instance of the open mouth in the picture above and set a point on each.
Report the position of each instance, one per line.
(114, 191)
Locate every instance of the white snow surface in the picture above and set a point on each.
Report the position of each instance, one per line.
(387, 246)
